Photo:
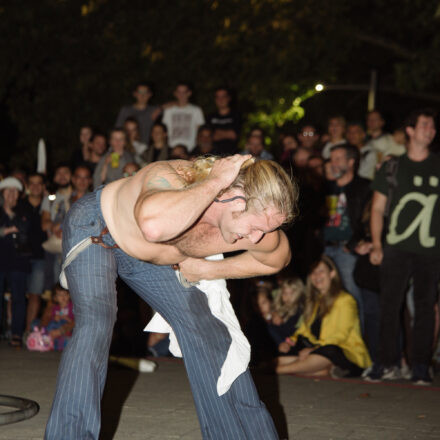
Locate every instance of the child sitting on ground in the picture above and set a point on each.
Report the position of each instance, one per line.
(57, 319)
(287, 308)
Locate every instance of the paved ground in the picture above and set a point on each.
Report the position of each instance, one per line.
(159, 406)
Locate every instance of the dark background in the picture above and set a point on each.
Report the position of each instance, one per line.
(68, 63)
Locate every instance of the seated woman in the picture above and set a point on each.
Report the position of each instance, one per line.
(329, 335)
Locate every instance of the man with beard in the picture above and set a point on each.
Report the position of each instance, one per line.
(346, 199)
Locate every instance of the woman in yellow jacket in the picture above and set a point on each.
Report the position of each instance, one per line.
(329, 335)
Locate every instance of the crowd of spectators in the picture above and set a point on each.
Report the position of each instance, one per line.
(360, 295)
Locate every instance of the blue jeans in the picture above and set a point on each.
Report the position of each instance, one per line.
(17, 284)
(204, 340)
(345, 262)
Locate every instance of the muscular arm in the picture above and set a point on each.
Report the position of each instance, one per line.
(166, 207)
(269, 256)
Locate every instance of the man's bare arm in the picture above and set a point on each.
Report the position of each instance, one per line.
(166, 208)
(376, 226)
(266, 259)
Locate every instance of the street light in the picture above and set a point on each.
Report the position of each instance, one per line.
(319, 87)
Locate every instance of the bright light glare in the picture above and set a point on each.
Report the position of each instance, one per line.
(319, 87)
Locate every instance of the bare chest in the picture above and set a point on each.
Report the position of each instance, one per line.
(202, 241)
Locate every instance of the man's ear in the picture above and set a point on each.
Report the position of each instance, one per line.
(409, 131)
(239, 204)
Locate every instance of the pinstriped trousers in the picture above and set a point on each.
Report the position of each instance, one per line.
(204, 340)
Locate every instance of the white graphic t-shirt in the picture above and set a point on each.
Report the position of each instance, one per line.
(182, 124)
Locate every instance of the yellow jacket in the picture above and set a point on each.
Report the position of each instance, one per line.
(341, 327)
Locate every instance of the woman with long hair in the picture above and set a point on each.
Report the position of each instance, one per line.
(329, 338)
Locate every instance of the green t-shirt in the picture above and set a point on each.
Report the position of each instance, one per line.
(414, 221)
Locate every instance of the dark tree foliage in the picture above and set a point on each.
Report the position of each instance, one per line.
(69, 62)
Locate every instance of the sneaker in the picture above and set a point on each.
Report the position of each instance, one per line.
(339, 373)
(392, 373)
(375, 374)
(421, 375)
(147, 366)
(405, 372)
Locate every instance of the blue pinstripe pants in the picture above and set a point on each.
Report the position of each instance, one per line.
(204, 341)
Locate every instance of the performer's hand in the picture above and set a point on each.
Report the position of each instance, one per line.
(226, 170)
(192, 269)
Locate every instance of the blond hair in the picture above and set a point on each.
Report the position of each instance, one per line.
(264, 183)
(288, 310)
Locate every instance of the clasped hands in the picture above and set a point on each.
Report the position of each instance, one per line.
(192, 269)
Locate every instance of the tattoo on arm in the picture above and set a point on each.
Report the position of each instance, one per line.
(158, 182)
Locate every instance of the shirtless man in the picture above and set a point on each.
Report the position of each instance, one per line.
(171, 213)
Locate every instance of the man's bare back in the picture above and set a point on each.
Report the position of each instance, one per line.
(199, 238)
(118, 202)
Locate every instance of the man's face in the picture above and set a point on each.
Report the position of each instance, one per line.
(81, 180)
(222, 99)
(339, 163)
(142, 94)
(308, 136)
(249, 225)
(355, 135)
(424, 131)
(99, 145)
(62, 177)
(254, 145)
(35, 186)
(336, 128)
(374, 121)
(182, 94)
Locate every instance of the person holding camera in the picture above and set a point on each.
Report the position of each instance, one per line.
(14, 255)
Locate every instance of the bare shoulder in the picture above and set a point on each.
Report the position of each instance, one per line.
(269, 243)
(272, 250)
(161, 176)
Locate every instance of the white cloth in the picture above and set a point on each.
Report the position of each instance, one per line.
(239, 353)
(182, 124)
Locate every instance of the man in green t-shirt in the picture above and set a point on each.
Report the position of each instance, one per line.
(411, 246)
